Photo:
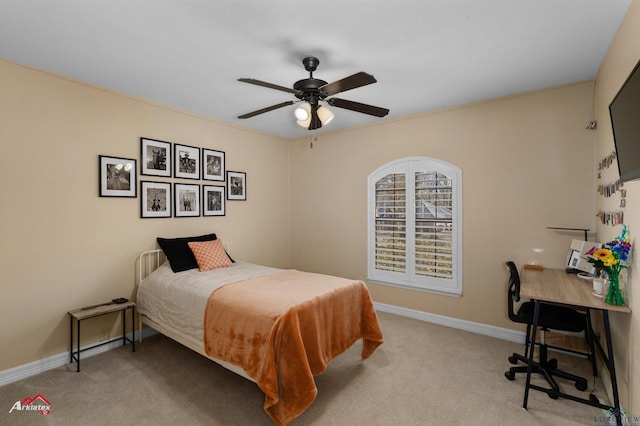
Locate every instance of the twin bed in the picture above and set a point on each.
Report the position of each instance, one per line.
(275, 327)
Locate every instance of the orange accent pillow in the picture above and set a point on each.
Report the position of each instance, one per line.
(209, 255)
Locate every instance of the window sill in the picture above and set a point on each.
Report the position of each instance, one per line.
(434, 290)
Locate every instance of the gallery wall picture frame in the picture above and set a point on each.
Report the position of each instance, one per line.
(236, 186)
(213, 165)
(187, 161)
(213, 200)
(155, 157)
(155, 199)
(187, 200)
(117, 176)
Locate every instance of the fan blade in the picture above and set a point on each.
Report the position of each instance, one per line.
(269, 85)
(358, 107)
(267, 109)
(353, 81)
(315, 120)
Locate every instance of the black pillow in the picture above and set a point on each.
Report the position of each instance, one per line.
(179, 254)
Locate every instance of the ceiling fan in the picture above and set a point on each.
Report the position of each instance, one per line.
(311, 91)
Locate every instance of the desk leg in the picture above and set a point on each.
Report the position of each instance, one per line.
(612, 368)
(590, 335)
(536, 317)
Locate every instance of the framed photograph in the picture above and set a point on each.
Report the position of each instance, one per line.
(155, 199)
(213, 200)
(187, 161)
(155, 157)
(236, 186)
(212, 165)
(117, 176)
(187, 198)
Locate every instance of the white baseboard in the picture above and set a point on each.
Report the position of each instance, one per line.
(40, 366)
(473, 327)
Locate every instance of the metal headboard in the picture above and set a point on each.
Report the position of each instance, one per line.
(148, 262)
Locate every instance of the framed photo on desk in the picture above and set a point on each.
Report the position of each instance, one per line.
(577, 255)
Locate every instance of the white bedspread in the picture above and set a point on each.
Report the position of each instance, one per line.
(178, 300)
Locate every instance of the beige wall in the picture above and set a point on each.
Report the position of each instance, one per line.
(61, 245)
(527, 163)
(620, 60)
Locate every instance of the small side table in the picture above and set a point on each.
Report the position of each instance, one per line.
(95, 311)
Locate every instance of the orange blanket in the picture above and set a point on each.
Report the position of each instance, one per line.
(284, 328)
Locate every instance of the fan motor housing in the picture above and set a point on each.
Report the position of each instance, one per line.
(309, 87)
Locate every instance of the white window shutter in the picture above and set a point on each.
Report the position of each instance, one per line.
(414, 225)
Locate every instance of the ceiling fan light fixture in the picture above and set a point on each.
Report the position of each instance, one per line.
(325, 115)
(305, 123)
(303, 112)
(310, 91)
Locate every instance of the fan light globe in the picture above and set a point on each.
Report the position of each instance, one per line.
(303, 112)
(304, 123)
(325, 115)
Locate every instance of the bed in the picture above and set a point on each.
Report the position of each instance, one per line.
(275, 327)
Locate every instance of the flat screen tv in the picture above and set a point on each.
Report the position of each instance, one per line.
(625, 120)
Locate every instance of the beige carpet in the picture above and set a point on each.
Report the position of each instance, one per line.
(424, 374)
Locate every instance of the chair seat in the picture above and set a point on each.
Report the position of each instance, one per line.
(552, 316)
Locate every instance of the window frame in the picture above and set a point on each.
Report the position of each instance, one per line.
(408, 279)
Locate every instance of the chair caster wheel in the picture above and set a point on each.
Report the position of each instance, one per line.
(510, 375)
(581, 385)
(513, 360)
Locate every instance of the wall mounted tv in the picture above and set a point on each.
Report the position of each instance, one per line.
(625, 120)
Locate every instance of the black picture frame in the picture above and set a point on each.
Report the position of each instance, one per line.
(213, 200)
(186, 200)
(187, 161)
(155, 157)
(117, 176)
(236, 186)
(155, 199)
(213, 165)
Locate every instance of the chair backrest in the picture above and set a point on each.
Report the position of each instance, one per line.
(513, 291)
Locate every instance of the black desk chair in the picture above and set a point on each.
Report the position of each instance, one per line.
(552, 317)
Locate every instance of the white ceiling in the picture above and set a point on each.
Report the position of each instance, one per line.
(425, 54)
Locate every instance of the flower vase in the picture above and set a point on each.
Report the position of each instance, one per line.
(614, 294)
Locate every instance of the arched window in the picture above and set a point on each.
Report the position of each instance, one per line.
(415, 235)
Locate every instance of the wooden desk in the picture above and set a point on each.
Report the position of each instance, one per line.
(558, 286)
